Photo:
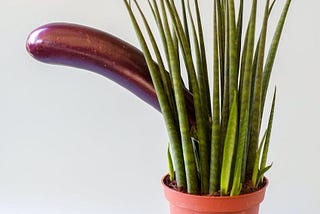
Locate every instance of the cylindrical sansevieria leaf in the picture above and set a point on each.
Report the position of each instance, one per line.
(174, 135)
(229, 147)
(245, 95)
(200, 120)
(255, 109)
(273, 51)
(216, 155)
(233, 51)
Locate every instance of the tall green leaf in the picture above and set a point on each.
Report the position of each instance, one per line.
(255, 109)
(203, 75)
(233, 50)
(239, 31)
(246, 90)
(200, 122)
(160, 24)
(164, 75)
(189, 159)
(185, 21)
(255, 172)
(269, 129)
(215, 137)
(272, 52)
(229, 147)
(170, 164)
(173, 132)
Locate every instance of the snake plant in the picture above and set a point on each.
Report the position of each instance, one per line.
(226, 147)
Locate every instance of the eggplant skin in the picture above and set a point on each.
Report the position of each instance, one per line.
(94, 50)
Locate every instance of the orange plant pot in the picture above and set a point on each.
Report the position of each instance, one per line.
(182, 203)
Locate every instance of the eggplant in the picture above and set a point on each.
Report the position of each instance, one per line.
(94, 50)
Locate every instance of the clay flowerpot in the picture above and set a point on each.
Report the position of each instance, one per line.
(182, 203)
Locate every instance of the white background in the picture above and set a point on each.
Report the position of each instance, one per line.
(73, 142)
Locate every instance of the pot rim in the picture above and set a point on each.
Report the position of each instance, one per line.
(257, 192)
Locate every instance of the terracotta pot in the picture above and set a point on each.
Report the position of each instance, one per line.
(182, 203)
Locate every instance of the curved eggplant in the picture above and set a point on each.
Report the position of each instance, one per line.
(91, 49)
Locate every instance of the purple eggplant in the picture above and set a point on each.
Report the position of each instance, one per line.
(91, 49)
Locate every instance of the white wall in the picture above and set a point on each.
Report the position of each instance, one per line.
(74, 142)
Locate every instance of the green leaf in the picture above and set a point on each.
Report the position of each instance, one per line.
(160, 23)
(272, 52)
(261, 174)
(178, 88)
(170, 164)
(246, 91)
(229, 147)
(269, 129)
(224, 99)
(226, 73)
(239, 31)
(256, 176)
(173, 131)
(200, 122)
(196, 47)
(185, 20)
(255, 108)
(255, 173)
(215, 167)
(203, 75)
(164, 75)
(233, 50)
(195, 146)
(221, 44)
(203, 87)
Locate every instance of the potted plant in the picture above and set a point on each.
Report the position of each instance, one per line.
(218, 149)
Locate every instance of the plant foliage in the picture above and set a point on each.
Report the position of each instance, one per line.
(220, 151)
